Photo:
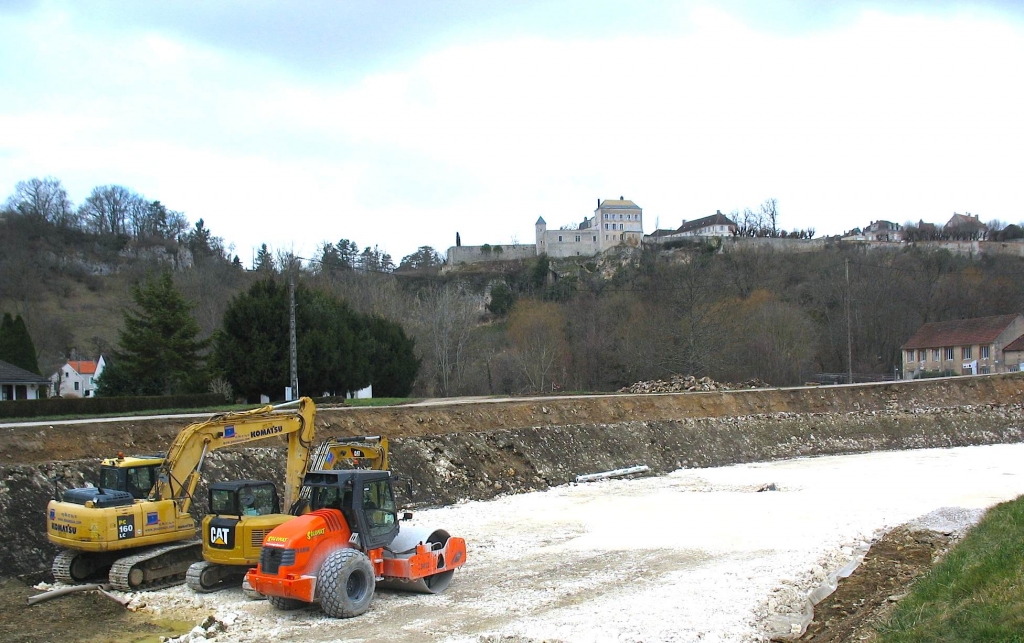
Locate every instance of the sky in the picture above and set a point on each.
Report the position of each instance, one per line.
(397, 124)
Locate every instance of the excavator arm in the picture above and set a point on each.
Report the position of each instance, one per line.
(183, 465)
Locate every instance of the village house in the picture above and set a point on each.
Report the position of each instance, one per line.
(965, 226)
(18, 384)
(876, 231)
(962, 346)
(1013, 355)
(716, 225)
(77, 378)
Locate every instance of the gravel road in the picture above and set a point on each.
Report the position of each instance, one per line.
(698, 555)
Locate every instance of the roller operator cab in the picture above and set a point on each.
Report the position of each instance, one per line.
(350, 543)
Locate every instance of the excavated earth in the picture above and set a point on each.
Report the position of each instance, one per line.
(479, 449)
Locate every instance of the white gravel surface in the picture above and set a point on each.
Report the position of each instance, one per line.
(697, 555)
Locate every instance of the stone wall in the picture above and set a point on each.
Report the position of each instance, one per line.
(477, 254)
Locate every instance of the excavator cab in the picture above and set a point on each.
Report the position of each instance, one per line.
(242, 513)
(135, 475)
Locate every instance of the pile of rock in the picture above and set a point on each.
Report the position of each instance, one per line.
(684, 383)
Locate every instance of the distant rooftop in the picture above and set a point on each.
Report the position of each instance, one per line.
(959, 332)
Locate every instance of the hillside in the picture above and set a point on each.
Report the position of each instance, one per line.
(541, 325)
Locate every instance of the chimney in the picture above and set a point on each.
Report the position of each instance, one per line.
(622, 198)
(598, 203)
(718, 212)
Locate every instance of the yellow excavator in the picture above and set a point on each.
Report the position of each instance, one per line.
(243, 512)
(136, 522)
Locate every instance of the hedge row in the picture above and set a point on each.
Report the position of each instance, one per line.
(56, 406)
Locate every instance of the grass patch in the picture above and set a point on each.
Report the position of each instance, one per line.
(976, 593)
(377, 401)
(382, 401)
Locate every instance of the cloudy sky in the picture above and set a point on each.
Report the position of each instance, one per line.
(401, 122)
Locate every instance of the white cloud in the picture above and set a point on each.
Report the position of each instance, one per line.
(883, 116)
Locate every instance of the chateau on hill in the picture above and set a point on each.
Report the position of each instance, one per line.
(616, 222)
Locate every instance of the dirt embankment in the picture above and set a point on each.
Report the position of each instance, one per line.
(477, 450)
(42, 444)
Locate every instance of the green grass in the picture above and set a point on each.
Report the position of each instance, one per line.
(382, 401)
(976, 594)
(378, 401)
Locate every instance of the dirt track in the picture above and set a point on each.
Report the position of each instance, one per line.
(705, 555)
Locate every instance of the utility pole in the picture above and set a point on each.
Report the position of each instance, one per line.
(293, 350)
(849, 332)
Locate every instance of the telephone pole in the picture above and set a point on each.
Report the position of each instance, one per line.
(292, 349)
(849, 332)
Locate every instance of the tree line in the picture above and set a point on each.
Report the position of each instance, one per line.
(585, 323)
(340, 351)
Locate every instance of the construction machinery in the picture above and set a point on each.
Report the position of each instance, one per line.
(243, 512)
(137, 521)
(349, 544)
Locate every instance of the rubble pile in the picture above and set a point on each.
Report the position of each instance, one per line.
(684, 383)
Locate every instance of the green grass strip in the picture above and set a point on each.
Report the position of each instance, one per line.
(976, 593)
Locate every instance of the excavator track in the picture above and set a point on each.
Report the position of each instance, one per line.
(205, 577)
(71, 567)
(155, 568)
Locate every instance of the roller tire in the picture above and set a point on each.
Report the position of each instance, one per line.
(346, 583)
(285, 604)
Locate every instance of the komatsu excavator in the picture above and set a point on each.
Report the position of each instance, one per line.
(137, 521)
(243, 512)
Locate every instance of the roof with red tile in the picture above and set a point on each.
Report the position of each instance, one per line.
(83, 367)
(1015, 345)
(959, 332)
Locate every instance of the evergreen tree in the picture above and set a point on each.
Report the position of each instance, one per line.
(393, 359)
(159, 350)
(251, 348)
(265, 260)
(16, 347)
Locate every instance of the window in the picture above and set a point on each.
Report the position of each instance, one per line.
(76, 386)
(620, 217)
(379, 506)
(595, 238)
(983, 370)
(910, 356)
(949, 353)
(577, 238)
(920, 355)
(965, 352)
(559, 237)
(935, 354)
(984, 352)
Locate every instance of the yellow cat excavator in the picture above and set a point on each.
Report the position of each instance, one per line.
(136, 522)
(243, 512)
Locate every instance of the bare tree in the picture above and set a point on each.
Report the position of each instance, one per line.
(107, 208)
(537, 332)
(770, 217)
(43, 200)
(449, 318)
